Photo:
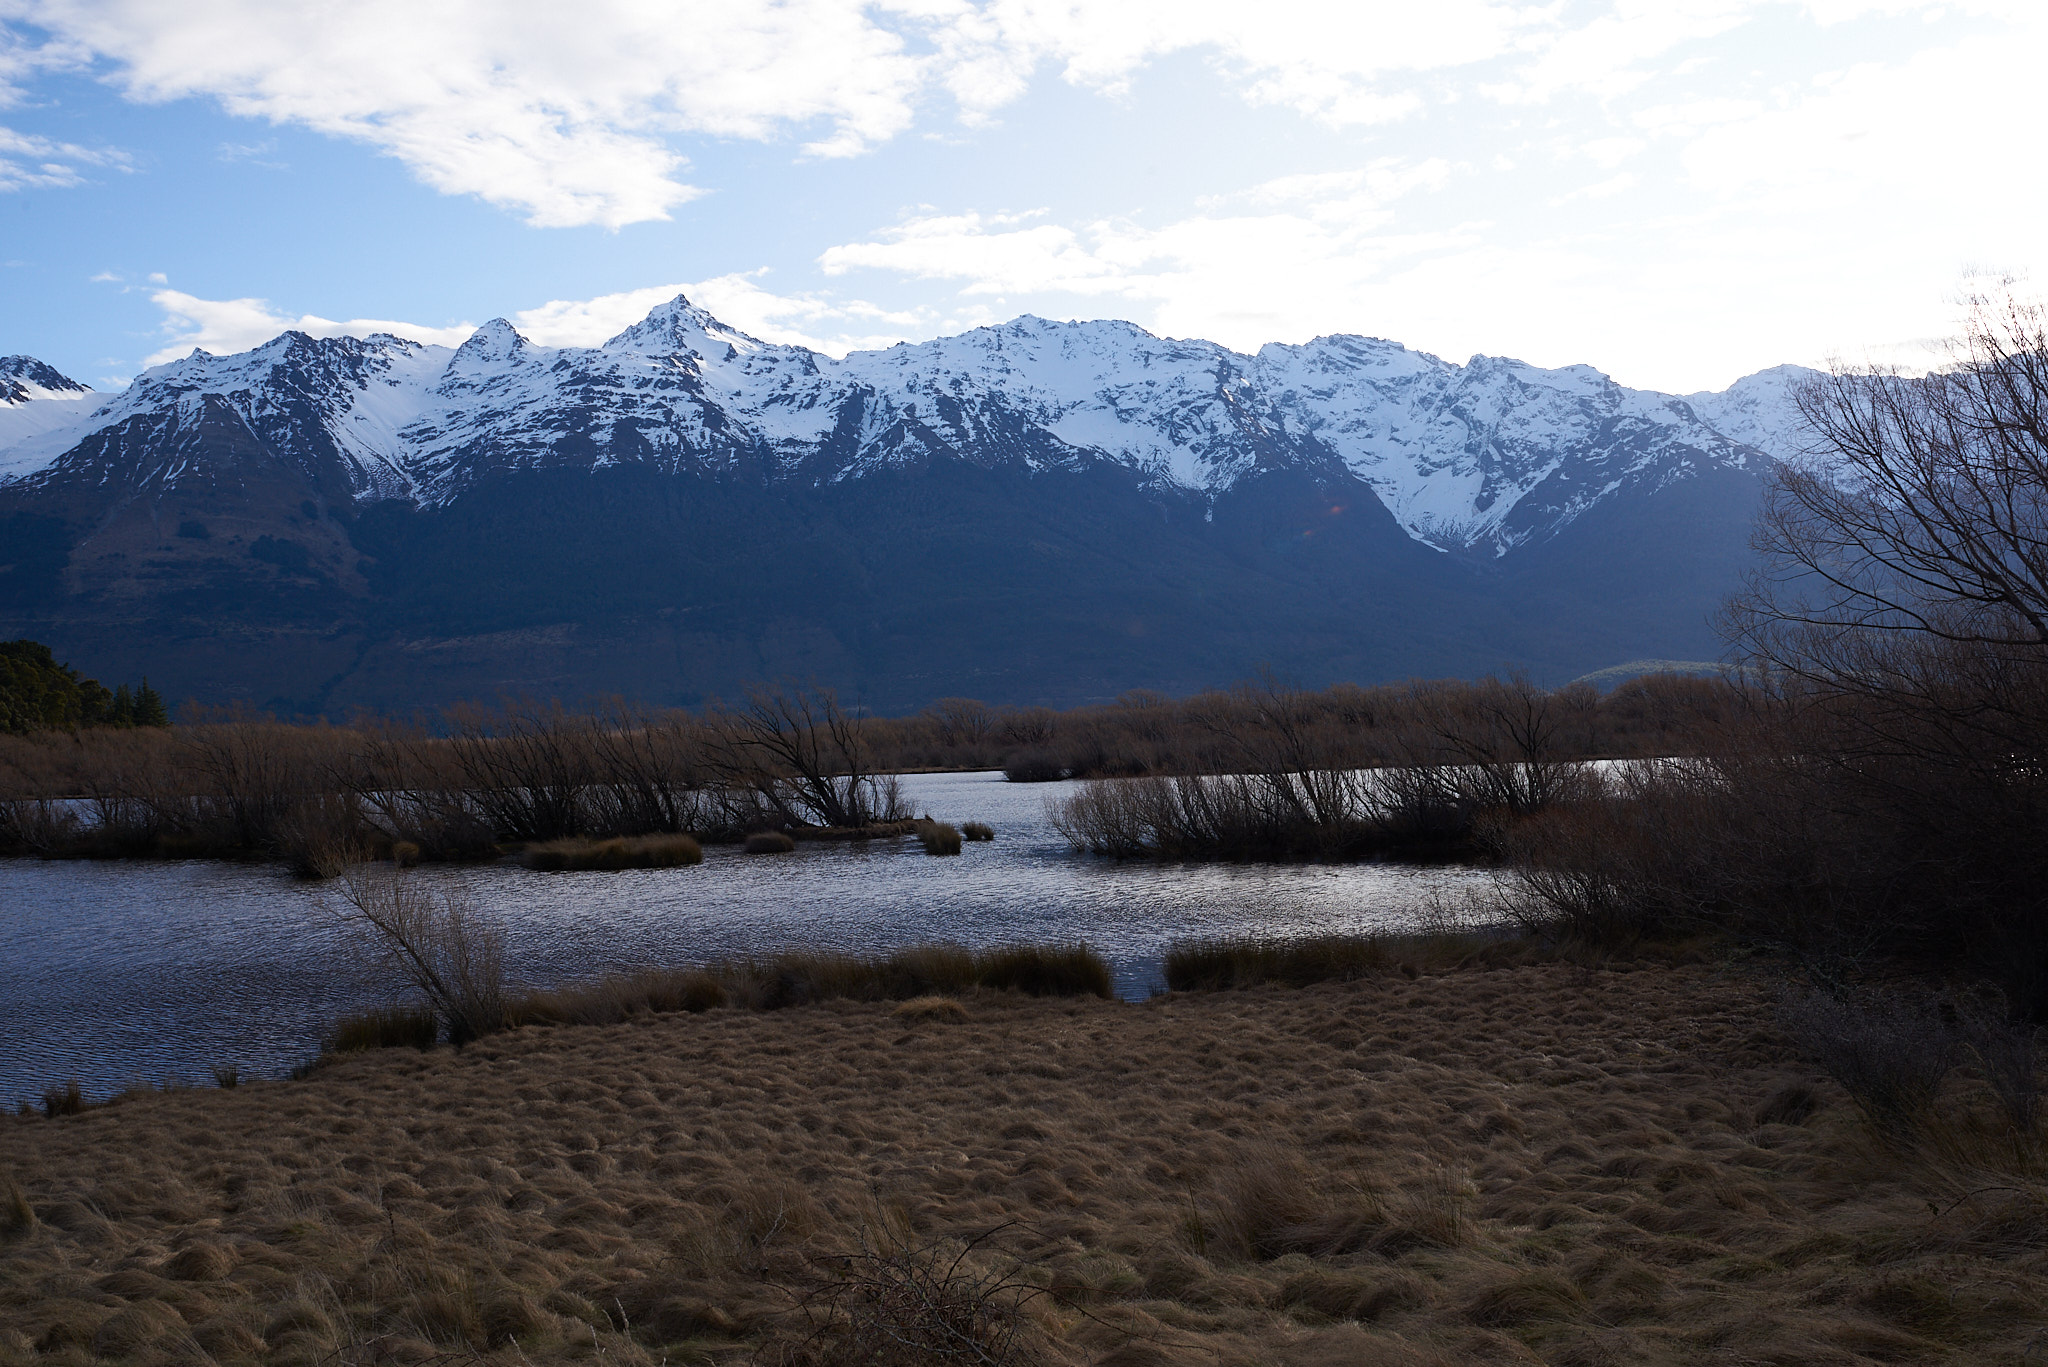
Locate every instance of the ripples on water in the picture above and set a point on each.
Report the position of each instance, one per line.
(113, 973)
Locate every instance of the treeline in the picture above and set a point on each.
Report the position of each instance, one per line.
(38, 694)
(1344, 726)
(787, 759)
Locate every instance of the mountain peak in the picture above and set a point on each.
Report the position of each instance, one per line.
(679, 325)
(24, 378)
(496, 340)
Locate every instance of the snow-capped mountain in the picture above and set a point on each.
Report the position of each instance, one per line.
(1480, 458)
(36, 403)
(1761, 410)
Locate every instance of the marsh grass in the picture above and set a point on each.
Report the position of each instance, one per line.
(938, 837)
(383, 1027)
(977, 830)
(619, 852)
(931, 974)
(768, 842)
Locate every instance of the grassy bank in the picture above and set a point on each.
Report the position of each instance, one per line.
(1544, 1162)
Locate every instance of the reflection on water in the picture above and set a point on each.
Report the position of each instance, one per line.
(112, 973)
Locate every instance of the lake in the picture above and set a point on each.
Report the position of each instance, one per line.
(113, 973)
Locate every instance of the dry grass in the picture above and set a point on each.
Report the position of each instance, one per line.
(768, 842)
(977, 830)
(620, 852)
(930, 1009)
(1223, 964)
(1540, 1163)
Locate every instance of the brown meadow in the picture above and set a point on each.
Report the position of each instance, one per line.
(1538, 1162)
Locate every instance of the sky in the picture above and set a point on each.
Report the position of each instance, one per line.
(1679, 192)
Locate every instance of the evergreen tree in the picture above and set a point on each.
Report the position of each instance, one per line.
(148, 708)
(122, 713)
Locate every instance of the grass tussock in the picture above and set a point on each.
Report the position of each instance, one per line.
(938, 837)
(977, 830)
(1550, 1161)
(384, 1027)
(67, 1099)
(619, 852)
(769, 842)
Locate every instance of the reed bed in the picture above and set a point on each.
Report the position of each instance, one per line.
(619, 852)
(769, 983)
(1551, 1162)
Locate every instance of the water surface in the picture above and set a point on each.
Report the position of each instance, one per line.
(112, 973)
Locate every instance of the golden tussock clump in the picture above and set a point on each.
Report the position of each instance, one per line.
(977, 830)
(768, 842)
(938, 837)
(1511, 1163)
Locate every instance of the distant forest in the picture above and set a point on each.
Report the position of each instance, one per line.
(37, 694)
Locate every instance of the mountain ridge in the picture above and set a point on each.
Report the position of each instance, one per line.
(1480, 457)
(1038, 511)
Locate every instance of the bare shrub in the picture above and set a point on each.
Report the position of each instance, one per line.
(320, 834)
(804, 756)
(523, 767)
(1890, 1057)
(894, 1301)
(37, 826)
(439, 943)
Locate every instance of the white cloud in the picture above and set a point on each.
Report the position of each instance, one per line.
(225, 326)
(568, 114)
(28, 162)
(832, 326)
(558, 111)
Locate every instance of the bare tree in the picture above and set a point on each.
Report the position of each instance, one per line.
(1901, 614)
(807, 757)
(442, 945)
(1917, 518)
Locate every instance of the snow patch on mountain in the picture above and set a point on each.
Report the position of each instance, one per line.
(40, 409)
